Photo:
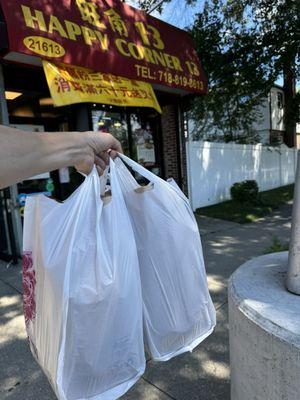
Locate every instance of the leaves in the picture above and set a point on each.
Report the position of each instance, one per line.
(244, 47)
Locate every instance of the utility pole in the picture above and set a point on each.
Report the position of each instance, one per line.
(293, 274)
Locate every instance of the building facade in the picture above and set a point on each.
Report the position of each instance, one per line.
(271, 128)
(155, 140)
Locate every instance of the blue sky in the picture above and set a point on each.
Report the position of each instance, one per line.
(177, 12)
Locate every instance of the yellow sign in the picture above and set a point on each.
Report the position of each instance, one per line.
(69, 84)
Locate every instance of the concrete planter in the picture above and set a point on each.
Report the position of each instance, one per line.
(264, 320)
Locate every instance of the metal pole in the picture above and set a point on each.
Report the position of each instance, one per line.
(293, 274)
(14, 209)
(5, 221)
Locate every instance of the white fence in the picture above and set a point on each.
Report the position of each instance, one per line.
(214, 167)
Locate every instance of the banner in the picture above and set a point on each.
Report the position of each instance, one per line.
(105, 35)
(69, 84)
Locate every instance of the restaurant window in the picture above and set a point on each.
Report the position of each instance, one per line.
(138, 131)
(114, 123)
(145, 142)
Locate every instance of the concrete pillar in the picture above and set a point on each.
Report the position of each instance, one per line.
(264, 323)
(293, 275)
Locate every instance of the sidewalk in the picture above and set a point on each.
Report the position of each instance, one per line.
(201, 375)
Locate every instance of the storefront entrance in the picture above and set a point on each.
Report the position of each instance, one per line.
(138, 130)
(30, 108)
(134, 61)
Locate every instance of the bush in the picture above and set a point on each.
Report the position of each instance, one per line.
(245, 192)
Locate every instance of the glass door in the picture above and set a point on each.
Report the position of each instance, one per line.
(138, 130)
(114, 123)
(146, 141)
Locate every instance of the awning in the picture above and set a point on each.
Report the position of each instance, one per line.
(103, 35)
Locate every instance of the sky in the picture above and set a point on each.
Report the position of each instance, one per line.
(177, 12)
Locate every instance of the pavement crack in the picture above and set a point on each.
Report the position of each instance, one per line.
(158, 388)
(14, 386)
(221, 230)
(221, 305)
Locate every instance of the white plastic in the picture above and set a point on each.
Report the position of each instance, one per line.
(178, 311)
(86, 330)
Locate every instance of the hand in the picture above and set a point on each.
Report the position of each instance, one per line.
(100, 146)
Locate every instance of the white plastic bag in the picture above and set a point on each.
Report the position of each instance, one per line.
(178, 311)
(82, 293)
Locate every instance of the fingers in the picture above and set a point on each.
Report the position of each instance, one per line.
(104, 146)
(116, 147)
(105, 157)
(113, 154)
(113, 150)
(99, 170)
(111, 143)
(100, 162)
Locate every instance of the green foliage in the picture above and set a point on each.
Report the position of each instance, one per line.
(235, 211)
(244, 46)
(245, 212)
(275, 197)
(245, 192)
(150, 5)
(276, 246)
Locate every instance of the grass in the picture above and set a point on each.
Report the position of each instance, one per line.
(276, 246)
(234, 211)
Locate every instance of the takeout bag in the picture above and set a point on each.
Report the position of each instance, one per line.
(178, 311)
(82, 292)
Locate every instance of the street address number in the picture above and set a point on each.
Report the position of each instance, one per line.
(44, 46)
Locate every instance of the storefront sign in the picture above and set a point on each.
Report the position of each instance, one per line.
(107, 36)
(69, 85)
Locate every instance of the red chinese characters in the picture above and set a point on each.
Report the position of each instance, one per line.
(29, 282)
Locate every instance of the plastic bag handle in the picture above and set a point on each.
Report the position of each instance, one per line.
(140, 169)
(154, 178)
(114, 182)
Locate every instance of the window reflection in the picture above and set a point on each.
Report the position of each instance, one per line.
(145, 137)
(114, 123)
(138, 133)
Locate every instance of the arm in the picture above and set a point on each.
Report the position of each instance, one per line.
(25, 154)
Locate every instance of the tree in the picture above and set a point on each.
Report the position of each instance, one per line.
(245, 46)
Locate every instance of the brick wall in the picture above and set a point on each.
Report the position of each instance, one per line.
(171, 143)
(169, 134)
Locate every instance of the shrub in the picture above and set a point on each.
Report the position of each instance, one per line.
(245, 192)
